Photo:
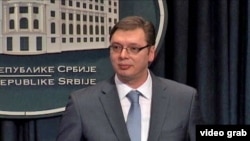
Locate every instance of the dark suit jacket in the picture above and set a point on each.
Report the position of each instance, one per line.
(95, 113)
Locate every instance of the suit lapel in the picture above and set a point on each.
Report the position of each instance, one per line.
(159, 100)
(112, 107)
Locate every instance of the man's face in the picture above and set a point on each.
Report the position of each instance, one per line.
(130, 65)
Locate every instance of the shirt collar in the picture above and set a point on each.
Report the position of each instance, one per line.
(145, 89)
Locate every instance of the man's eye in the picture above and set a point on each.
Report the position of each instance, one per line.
(116, 47)
(133, 49)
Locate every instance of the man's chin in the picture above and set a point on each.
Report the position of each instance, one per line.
(124, 75)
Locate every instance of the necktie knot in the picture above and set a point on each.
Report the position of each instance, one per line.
(133, 96)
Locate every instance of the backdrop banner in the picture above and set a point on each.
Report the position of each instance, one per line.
(49, 49)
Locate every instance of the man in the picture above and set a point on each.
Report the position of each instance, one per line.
(169, 110)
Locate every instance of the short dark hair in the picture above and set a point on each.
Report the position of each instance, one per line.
(133, 22)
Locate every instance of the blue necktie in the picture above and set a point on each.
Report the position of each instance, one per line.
(134, 116)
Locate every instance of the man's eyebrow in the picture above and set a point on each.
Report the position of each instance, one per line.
(115, 43)
(130, 44)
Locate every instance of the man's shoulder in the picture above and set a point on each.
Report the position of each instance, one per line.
(94, 89)
(172, 84)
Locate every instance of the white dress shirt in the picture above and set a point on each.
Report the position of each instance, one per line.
(145, 102)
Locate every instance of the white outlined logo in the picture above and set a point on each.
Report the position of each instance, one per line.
(37, 74)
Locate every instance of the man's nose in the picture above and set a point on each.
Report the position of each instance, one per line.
(124, 53)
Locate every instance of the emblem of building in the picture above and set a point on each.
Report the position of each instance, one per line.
(30, 27)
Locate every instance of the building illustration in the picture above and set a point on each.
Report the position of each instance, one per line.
(32, 27)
